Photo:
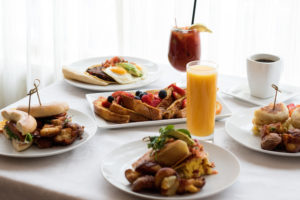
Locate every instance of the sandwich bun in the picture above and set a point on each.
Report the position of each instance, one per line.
(46, 110)
(20, 146)
(266, 115)
(295, 118)
(24, 123)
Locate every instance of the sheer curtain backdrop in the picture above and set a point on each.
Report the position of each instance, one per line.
(38, 37)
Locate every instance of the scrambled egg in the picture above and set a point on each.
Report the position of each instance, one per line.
(195, 167)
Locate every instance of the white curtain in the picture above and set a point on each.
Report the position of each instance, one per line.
(38, 37)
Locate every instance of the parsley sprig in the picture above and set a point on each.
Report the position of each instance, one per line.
(157, 142)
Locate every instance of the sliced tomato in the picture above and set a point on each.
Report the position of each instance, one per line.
(218, 107)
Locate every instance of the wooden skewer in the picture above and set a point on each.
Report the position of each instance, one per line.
(32, 91)
(277, 90)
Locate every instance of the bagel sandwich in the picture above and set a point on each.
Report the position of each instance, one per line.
(19, 128)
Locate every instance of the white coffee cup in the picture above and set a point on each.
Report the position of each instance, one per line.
(262, 74)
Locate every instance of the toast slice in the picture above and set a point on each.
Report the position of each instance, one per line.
(173, 108)
(108, 115)
(139, 107)
(181, 113)
(134, 117)
(167, 101)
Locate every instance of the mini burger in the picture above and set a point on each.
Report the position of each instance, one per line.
(54, 126)
(19, 128)
(267, 115)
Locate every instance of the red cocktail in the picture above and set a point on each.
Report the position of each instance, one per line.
(185, 46)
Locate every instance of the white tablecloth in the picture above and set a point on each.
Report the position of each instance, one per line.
(76, 174)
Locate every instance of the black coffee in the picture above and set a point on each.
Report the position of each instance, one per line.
(264, 60)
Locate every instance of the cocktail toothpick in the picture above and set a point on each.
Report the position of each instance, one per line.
(277, 90)
(36, 84)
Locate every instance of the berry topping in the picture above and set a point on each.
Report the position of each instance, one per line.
(138, 93)
(118, 93)
(110, 99)
(176, 95)
(177, 89)
(142, 94)
(184, 103)
(151, 99)
(162, 94)
(106, 104)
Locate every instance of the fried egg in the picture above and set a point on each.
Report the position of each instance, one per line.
(120, 75)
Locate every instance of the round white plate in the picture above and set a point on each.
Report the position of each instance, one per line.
(153, 73)
(239, 126)
(90, 129)
(115, 163)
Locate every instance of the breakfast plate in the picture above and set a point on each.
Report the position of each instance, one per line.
(115, 163)
(90, 129)
(109, 125)
(152, 74)
(239, 126)
(242, 92)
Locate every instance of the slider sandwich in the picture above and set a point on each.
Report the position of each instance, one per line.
(19, 128)
(267, 115)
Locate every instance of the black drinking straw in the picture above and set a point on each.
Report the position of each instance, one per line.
(194, 10)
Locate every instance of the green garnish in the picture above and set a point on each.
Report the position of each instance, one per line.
(272, 129)
(130, 68)
(157, 142)
(28, 138)
(10, 133)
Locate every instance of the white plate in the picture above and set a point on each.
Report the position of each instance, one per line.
(242, 92)
(153, 73)
(109, 125)
(239, 126)
(90, 129)
(115, 163)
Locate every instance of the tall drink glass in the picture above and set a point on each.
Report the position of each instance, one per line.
(201, 98)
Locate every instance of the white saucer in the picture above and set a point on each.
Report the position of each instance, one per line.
(242, 92)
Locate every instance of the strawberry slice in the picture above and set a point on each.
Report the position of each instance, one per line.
(106, 104)
(155, 102)
(184, 103)
(177, 89)
(176, 95)
(147, 98)
(119, 93)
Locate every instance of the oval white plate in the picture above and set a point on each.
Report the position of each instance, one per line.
(81, 65)
(90, 129)
(239, 126)
(115, 163)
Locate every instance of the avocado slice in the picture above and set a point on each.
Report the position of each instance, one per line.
(131, 69)
(181, 136)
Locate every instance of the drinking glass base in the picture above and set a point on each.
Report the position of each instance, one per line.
(209, 139)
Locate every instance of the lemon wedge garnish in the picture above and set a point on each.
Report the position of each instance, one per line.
(200, 28)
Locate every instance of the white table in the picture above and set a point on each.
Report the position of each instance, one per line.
(76, 174)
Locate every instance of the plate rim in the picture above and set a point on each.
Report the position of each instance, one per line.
(275, 153)
(148, 123)
(177, 196)
(107, 88)
(258, 101)
(61, 151)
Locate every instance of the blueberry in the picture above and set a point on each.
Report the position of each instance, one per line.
(137, 97)
(162, 94)
(110, 99)
(138, 93)
(142, 94)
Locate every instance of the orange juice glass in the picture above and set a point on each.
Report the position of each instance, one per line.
(201, 98)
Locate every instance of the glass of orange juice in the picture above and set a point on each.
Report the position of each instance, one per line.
(201, 98)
